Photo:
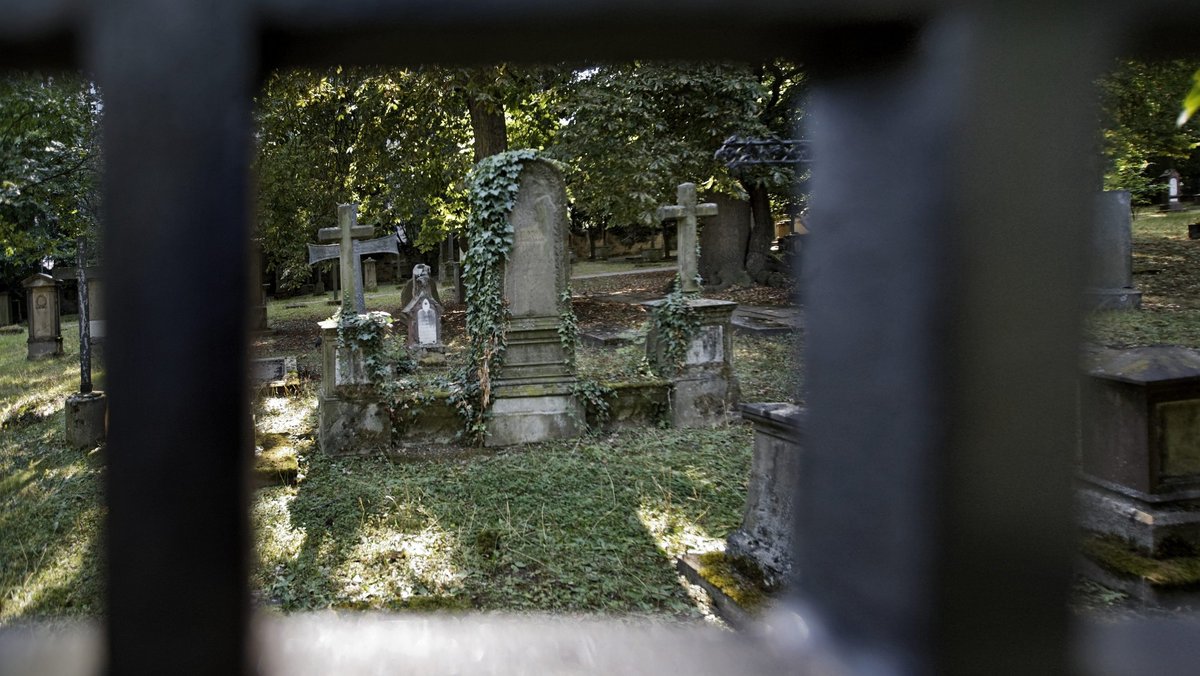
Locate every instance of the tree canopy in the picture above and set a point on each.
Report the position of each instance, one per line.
(49, 168)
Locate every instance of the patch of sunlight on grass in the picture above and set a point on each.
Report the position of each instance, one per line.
(277, 538)
(673, 532)
(293, 415)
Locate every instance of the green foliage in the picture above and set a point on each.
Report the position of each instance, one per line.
(1141, 139)
(1191, 103)
(492, 192)
(384, 357)
(394, 141)
(568, 325)
(634, 131)
(595, 398)
(49, 168)
(675, 322)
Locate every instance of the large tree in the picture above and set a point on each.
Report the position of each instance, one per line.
(393, 141)
(1141, 138)
(634, 131)
(49, 164)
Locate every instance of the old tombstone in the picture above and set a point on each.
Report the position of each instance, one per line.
(424, 317)
(723, 241)
(450, 270)
(685, 212)
(1139, 461)
(370, 282)
(5, 309)
(1174, 190)
(45, 330)
(350, 418)
(258, 290)
(86, 411)
(348, 251)
(318, 285)
(421, 282)
(532, 393)
(704, 387)
(1110, 260)
(766, 535)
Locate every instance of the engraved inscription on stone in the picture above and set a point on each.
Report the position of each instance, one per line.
(426, 324)
(1179, 430)
(707, 346)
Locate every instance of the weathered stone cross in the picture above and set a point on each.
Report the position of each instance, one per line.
(349, 250)
(684, 214)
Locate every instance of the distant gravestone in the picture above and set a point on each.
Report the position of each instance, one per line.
(533, 398)
(349, 249)
(45, 330)
(1110, 260)
(421, 282)
(370, 282)
(424, 315)
(1174, 190)
(5, 311)
(723, 245)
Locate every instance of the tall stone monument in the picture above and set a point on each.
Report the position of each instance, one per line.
(1110, 259)
(45, 330)
(532, 398)
(705, 389)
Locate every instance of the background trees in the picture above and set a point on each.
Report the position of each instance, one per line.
(49, 168)
(1141, 101)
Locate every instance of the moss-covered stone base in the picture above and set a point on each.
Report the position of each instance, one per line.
(1171, 581)
(276, 464)
(735, 584)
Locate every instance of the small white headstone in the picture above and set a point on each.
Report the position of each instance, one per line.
(426, 324)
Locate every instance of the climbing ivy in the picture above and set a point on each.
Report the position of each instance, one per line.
(568, 325)
(675, 322)
(383, 356)
(492, 188)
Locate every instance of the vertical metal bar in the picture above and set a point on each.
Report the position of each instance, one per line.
(85, 329)
(942, 305)
(176, 76)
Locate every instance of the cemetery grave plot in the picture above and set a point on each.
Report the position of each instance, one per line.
(380, 533)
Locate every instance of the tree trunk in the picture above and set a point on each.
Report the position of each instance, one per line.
(762, 233)
(487, 122)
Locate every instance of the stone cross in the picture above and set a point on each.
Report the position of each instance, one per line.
(684, 214)
(349, 249)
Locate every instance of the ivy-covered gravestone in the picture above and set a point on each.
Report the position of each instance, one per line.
(518, 307)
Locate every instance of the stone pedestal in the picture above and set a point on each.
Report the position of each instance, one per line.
(1140, 447)
(351, 420)
(86, 418)
(705, 389)
(45, 330)
(765, 536)
(1110, 260)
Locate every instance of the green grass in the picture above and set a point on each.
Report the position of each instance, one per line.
(588, 525)
(50, 505)
(1166, 267)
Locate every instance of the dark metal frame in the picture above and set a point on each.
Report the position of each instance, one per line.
(935, 530)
